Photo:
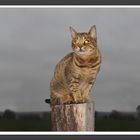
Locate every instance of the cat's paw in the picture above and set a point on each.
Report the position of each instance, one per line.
(67, 99)
(78, 100)
(86, 99)
(68, 102)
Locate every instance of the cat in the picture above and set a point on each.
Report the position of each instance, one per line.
(76, 73)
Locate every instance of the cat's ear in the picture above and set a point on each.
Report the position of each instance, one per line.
(73, 32)
(92, 32)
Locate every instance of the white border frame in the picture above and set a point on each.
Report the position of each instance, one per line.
(68, 133)
(70, 6)
(80, 132)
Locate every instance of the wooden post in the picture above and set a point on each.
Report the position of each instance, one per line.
(73, 117)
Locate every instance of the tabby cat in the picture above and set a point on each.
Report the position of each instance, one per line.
(75, 74)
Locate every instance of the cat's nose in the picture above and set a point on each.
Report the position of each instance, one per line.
(82, 49)
(80, 46)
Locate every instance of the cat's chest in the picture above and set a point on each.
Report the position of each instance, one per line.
(86, 73)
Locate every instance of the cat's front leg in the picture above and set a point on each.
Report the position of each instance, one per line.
(86, 90)
(74, 88)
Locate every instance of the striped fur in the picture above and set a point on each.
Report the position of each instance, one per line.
(76, 73)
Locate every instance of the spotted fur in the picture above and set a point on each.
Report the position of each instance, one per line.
(76, 73)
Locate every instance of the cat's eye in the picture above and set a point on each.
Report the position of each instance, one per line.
(86, 41)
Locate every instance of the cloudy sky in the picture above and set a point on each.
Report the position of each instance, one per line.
(33, 40)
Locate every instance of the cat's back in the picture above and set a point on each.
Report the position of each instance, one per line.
(62, 64)
(65, 60)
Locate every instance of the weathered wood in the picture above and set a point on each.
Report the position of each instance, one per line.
(73, 117)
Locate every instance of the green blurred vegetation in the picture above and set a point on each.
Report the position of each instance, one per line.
(117, 125)
(41, 121)
(25, 125)
(45, 125)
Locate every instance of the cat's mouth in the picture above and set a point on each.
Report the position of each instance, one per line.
(81, 52)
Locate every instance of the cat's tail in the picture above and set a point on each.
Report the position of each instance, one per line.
(48, 101)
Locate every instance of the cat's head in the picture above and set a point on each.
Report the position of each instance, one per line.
(84, 43)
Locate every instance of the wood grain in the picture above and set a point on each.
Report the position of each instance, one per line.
(73, 117)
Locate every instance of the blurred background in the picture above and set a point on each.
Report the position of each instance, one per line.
(34, 40)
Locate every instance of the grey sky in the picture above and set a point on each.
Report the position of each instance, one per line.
(33, 40)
